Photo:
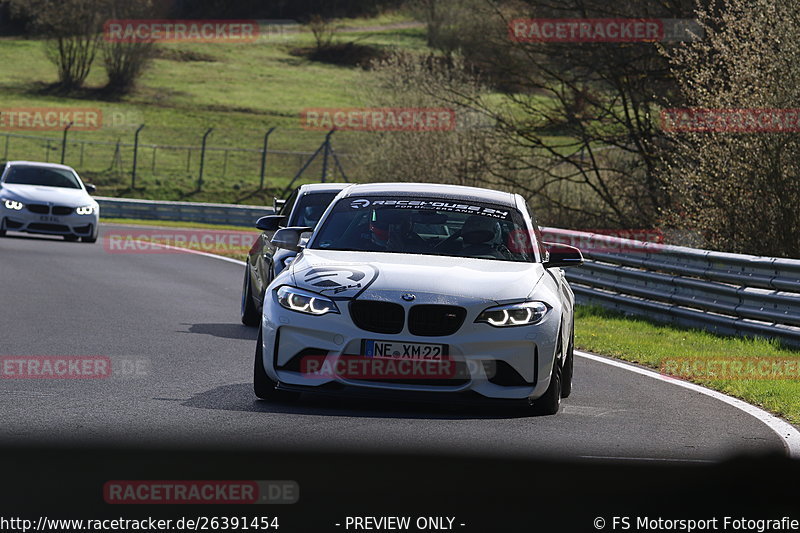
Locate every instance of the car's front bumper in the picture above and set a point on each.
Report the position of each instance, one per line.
(502, 363)
(28, 222)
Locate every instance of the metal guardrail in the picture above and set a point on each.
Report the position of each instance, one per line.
(729, 294)
(234, 215)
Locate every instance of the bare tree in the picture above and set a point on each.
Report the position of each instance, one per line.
(323, 31)
(460, 152)
(578, 122)
(125, 62)
(72, 30)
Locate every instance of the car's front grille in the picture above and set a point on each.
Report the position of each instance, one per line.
(62, 210)
(39, 209)
(378, 317)
(41, 226)
(435, 320)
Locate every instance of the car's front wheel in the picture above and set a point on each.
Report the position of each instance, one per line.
(263, 386)
(250, 314)
(569, 364)
(550, 402)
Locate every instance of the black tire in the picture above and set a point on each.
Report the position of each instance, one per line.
(71, 238)
(2, 233)
(263, 386)
(89, 239)
(569, 366)
(250, 315)
(550, 402)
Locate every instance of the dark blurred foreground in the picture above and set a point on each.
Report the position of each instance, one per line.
(485, 495)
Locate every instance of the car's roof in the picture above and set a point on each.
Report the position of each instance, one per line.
(438, 190)
(322, 187)
(39, 164)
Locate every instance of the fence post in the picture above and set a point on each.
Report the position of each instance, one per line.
(326, 153)
(135, 155)
(5, 156)
(264, 159)
(64, 142)
(203, 159)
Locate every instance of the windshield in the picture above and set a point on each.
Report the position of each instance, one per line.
(430, 226)
(310, 207)
(48, 177)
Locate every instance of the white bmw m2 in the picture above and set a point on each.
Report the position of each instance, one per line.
(435, 291)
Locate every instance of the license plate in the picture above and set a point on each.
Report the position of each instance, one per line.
(48, 218)
(405, 350)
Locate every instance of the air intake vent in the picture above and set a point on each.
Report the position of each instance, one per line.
(378, 317)
(435, 320)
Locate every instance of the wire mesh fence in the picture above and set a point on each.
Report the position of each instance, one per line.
(176, 167)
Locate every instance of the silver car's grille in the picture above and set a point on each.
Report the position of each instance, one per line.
(39, 209)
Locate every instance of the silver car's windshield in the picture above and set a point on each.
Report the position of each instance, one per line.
(35, 175)
(429, 226)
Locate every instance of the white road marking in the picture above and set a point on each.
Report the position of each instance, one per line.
(787, 432)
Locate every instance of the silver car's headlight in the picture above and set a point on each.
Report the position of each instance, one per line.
(521, 314)
(304, 301)
(85, 210)
(12, 204)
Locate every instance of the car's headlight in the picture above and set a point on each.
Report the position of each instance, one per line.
(12, 204)
(305, 301)
(85, 210)
(521, 314)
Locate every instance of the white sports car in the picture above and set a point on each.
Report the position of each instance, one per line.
(416, 289)
(49, 199)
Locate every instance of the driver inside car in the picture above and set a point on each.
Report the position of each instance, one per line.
(392, 230)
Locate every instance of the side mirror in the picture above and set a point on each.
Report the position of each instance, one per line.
(277, 203)
(289, 238)
(270, 222)
(562, 255)
(91, 189)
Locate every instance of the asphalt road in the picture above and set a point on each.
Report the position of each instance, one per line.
(175, 315)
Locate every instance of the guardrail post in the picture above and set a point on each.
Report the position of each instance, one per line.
(203, 159)
(264, 159)
(135, 155)
(64, 142)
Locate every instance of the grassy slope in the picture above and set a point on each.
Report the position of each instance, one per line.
(241, 92)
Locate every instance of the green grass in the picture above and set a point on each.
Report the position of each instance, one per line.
(173, 224)
(652, 345)
(240, 90)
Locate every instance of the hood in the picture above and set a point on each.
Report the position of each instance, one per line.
(349, 274)
(38, 194)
